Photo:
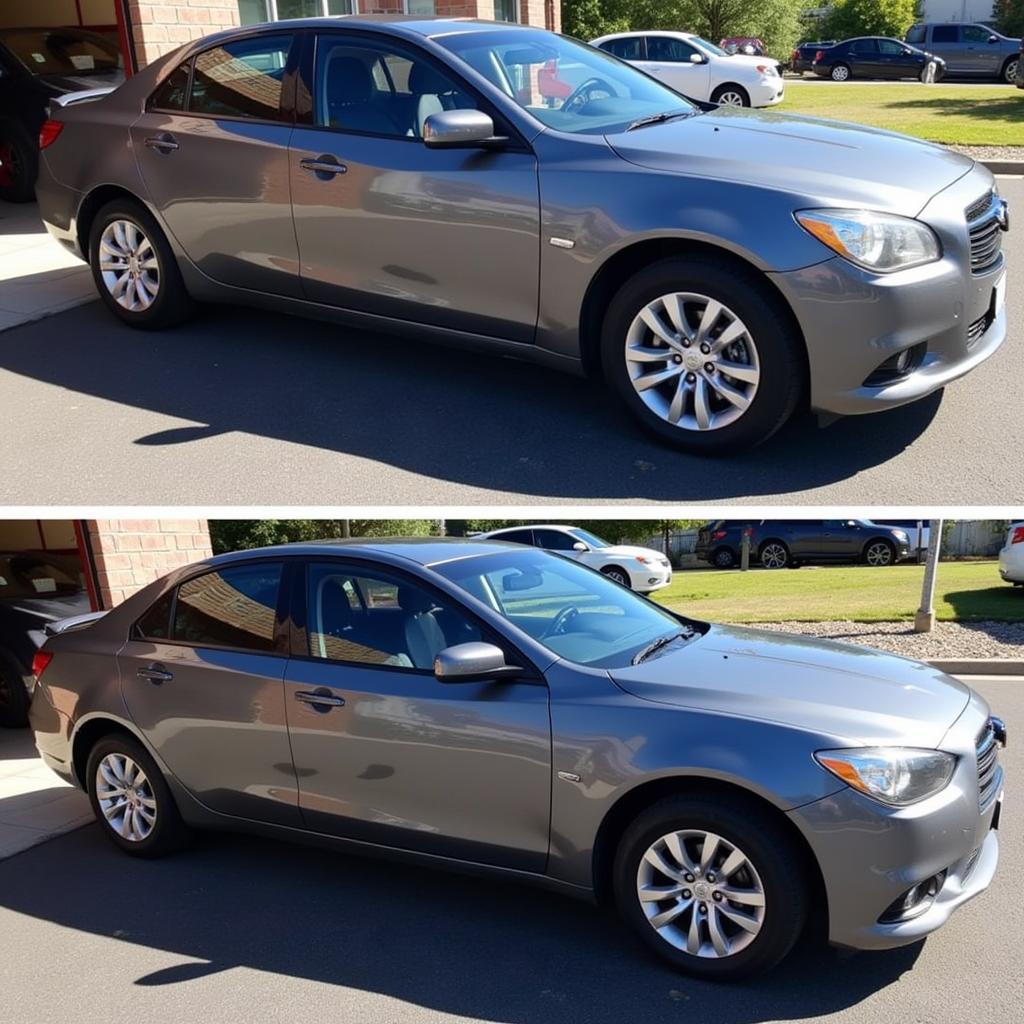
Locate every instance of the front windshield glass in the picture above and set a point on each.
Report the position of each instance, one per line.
(565, 84)
(708, 47)
(60, 51)
(589, 538)
(35, 574)
(575, 612)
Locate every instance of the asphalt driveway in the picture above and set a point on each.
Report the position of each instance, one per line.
(250, 931)
(244, 407)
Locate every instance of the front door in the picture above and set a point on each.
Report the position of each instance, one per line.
(445, 237)
(982, 56)
(669, 60)
(202, 677)
(385, 753)
(212, 148)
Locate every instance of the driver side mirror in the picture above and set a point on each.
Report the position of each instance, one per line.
(696, 58)
(993, 39)
(472, 662)
(455, 129)
(580, 546)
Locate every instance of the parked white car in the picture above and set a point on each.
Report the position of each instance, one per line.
(699, 69)
(640, 569)
(1011, 557)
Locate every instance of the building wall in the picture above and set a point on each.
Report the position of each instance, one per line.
(129, 553)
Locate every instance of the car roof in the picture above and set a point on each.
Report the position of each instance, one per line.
(534, 526)
(398, 24)
(421, 550)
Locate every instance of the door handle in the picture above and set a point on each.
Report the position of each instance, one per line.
(320, 699)
(162, 143)
(155, 674)
(324, 166)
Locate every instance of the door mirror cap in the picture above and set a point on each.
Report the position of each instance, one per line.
(453, 129)
(993, 39)
(580, 546)
(472, 662)
(696, 58)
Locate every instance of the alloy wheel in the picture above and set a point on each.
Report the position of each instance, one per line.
(692, 361)
(618, 577)
(730, 98)
(878, 553)
(1010, 74)
(724, 559)
(125, 797)
(774, 556)
(701, 893)
(129, 265)
(840, 74)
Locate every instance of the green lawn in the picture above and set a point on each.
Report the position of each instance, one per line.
(968, 115)
(968, 591)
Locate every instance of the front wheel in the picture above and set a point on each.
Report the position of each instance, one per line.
(704, 353)
(731, 96)
(840, 73)
(879, 552)
(131, 799)
(613, 572)
(774, 555)
(712, 885)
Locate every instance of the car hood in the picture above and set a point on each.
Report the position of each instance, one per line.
(751, 61)
(858, 696)
(829, 162)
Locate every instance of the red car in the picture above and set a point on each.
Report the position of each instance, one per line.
(739, 44)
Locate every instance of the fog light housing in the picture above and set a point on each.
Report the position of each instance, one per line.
(897, 367)
(915, 901)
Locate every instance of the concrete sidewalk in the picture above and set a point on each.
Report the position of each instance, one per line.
(37, 276)
(35, 805)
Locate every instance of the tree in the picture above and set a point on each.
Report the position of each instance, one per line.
(239, 534)
(869, 18)
(1009, 16)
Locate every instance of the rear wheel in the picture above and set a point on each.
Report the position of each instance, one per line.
(840, 73)
(704, 353)
(774, 555)
(712, 885)
(879, 552)
(613, 572)
(134, 268)
(731, 95)
(19, 162)
(724, 558)
(131, 800)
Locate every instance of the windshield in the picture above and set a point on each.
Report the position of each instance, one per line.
(62, 51)
(708, 47)
(37, 574)
(589, 538)
(565, 84)
(576, 613)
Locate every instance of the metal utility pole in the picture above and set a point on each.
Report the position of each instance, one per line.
(924, 620)
(745, 549)
(346, 527)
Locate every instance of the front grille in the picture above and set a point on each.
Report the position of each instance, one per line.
(985, 230)
(988, 766)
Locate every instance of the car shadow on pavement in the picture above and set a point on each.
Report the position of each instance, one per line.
(475, 948)
(468, 418)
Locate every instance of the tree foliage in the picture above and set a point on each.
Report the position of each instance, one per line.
(869, 18)
(1009, 15)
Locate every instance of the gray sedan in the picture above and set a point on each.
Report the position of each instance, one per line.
(497, 708)
(503, 188)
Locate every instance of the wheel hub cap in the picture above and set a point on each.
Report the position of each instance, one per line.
(125, 797)
(129, 266)
(692, 361)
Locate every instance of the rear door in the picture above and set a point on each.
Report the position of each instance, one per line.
(865, 59)
(202, 677)
(212, 148)
(385, 753)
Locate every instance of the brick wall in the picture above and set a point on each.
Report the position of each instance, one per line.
(159, 26)
(129, 553)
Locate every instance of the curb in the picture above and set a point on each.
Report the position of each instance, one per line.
(979, 666)
(1004, 166)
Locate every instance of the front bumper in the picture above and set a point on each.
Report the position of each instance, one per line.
(870, 854)
(648, 578)
(768, 92)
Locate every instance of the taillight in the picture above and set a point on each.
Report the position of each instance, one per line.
(718, 535)
(795, 55)
(819, 55)
(49, 132)
(1018, 535)
(40, 662)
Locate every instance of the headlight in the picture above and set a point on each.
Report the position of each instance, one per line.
(768, 69)
(882, 242)
(893, 775)
(901, 536)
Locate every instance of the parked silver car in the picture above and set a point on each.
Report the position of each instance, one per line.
(719, 268)
(497, 707)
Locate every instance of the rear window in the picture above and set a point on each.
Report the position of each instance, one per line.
(233, 607)
(40, 574)
(60, 51)
(172, 92)
(916, 34)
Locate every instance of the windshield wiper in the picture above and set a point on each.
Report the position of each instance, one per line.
(653, 648)
(666, 115)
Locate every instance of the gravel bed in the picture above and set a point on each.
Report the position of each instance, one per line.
(947, 640)
(991, 152)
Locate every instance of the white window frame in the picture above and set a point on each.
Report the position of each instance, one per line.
(272, 8)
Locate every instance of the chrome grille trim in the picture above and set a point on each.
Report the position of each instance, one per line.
(989, 775)
(985, 231)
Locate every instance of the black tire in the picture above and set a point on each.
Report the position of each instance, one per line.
(842, 70)
(172, 304)
(19, 154)
(724, 558)
(768, 848)
(169, 833)
(780, 348)
(773, 554)
(716, 96)
(14, 699)
(879, 543)
(613, 572)
(1008, 74)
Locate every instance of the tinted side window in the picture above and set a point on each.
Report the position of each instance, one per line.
(864, 46)
(890, 46)
(554, 540)
(944, 34)
(156, 623)
(516, 537)
(234, 607)
(975, 34)
(392, 623)
(667, 49)
(626, 49)
(916, 34)
(241, 79)
(172, 91)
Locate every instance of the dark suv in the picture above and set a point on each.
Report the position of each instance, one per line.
(778, 543)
